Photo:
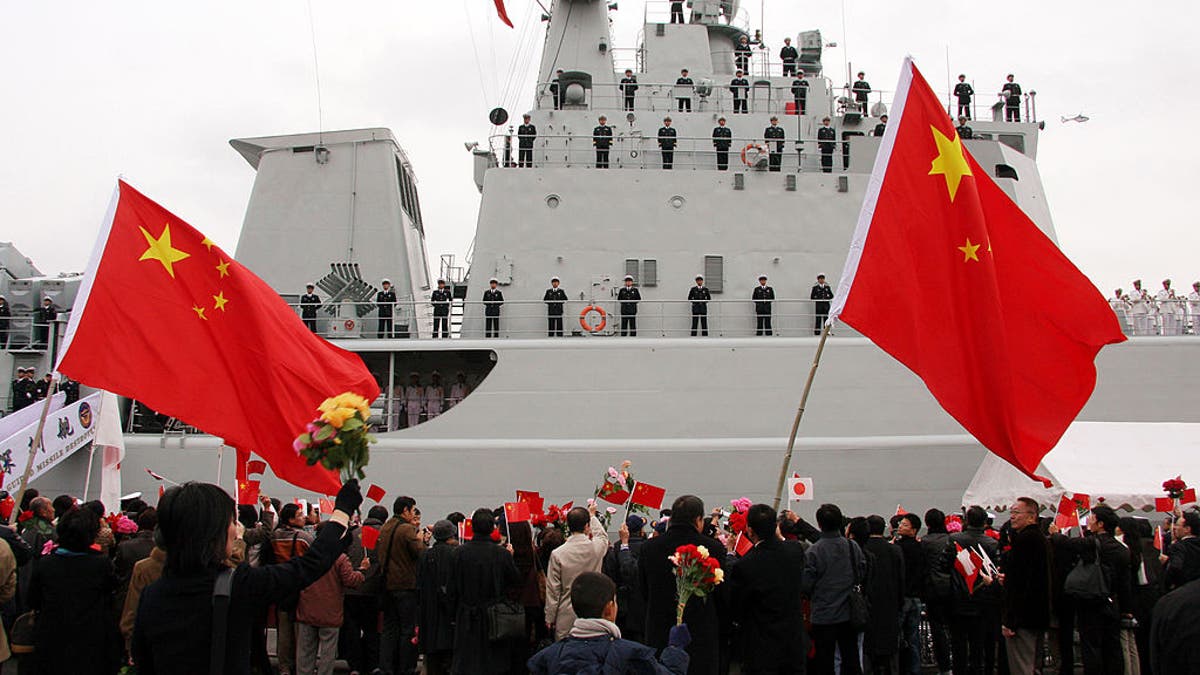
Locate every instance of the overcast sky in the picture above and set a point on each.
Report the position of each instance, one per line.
(154, 90)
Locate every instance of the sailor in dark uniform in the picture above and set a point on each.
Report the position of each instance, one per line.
(800, 91)
(683, 91)
(676, 11)
(740, 87)
(23, 389)
(629, 87)
(554, 299)
(602, 139)
(763, 295)
(964, 131)
(821, 294)
(827, 142)
(862, 92)
(556, 89)
(881, 128)
(699, 296)
(666, 143)
(441, 309)
(774, 135)
(385, 300)
(526, 134)
(722, 138)
(741, 54)
(1011, 91)
(788, 55)
(309, 304)
(963, 92)
(42, 318)
(492, 299)
(629, 297)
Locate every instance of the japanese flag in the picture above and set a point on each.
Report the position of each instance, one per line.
(800, 489)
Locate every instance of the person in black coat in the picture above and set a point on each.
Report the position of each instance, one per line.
(629, 87)
(739, 86)
(42, 318)
(800, 92)
(1175, 631)
(435, 617)
(310, 302)
(526, 135)
(821, 294)
(554, 297)
(699, 296)
(1099, 623)
(557, 91)
(1146, 580)
(963, 130)
(621, 565)
(1025, 610)
(722, 138)
(440, 299)
(683, 91)
(666, 143)
(741, 55)
(1183, 555)
(385, 300)
(963, 92)
(764, 598)
(763, 295)
(975, 615)
(677, 11)
(788, 55)
(173, 632)
(862, 92)
(657, 578)
(826, 143)
(774, 135)
(915, 572)
(483, 572)
(1011, 92)
(602, 140)
(885, 595)
(629, 297)
(493, 298)
(72, 592)
(937, 587)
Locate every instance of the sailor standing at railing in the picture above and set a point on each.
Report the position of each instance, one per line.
(699, 296)
(629, 87)
(629, 297)
(493, 298)
(526, 135)
(1170, 310)
(800, 91)
(740, 87)
(666, 143)
(788, 55)
(963, 92)
(827, 142)
(414, 397)
(1139, 308)
(554, 299)
(763, 295)
(862, 92)
(741, 55)
(821, 294)
(1011, 93)
(1120, 306)
(441, 310)
(1194, 307)
(385, 301)
(722, 139)
(458, 390)
(602, 141)
(774, 135)
(683, 91)
(433, 396)
(309, 303)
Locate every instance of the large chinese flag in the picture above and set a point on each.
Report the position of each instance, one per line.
(939, 276)
(166, 317)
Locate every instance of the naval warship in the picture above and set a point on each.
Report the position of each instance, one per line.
(703, 414)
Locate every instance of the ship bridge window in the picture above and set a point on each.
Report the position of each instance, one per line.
(1006, 171)
(1014, 141)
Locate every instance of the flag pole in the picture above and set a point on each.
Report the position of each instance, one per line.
(787, 457)
(87, 481)
(34, 448)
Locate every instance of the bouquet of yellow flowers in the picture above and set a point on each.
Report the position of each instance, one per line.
(340, 438)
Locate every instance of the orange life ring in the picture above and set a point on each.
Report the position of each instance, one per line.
(751, 146)
(583, 321)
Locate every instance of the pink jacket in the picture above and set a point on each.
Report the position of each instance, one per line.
(321, 603)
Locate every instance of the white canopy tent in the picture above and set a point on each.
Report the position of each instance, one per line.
(1123, 462)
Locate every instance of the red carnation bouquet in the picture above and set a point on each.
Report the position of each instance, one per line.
(1175, 487)
(696, 575)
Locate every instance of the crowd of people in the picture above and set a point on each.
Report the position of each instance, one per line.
(27, 389)
(199, 580)
(1162, 313)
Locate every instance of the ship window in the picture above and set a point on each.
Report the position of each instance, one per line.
(649, 272)
(303, 148)
(1014, 141)
(1006, 171)
(631, 268)
(714, 272)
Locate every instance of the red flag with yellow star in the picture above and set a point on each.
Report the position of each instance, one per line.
(939, 276)
(166, 317)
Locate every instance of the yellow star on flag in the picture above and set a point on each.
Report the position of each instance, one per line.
(208, 243)
(950, 162)
(161, 249)
(223, 269)
(220, 299)
(199, 312)
(970, 251)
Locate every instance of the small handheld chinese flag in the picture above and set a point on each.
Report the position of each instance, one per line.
(516, 512)
(370, 535)
(256, 467)
(938, 276)
(376, 494)
(647, 495)
(1158, 538)
(248, 491)
(537, 504)
(1068, 514)
(742, 545)
(164, 316)
(1164, 504)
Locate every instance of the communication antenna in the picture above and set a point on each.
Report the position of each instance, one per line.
(312, 31)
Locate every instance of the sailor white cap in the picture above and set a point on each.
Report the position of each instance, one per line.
(555, 279)
(762, 276)
(699, 277)
(386, 281)
(441, 281)
(493, 280)
(628, 277)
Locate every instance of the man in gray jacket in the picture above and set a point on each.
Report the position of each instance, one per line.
(833, 566)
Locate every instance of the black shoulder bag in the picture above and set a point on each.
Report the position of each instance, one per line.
(505, 618)
(1086, 582)
(860, 609)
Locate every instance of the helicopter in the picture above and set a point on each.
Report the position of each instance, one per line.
(1081, 118)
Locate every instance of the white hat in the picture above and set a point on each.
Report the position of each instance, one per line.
(441, 281)
(552, 279)
(628, 277)
(493, 280)
(762, 276)
(386, 281)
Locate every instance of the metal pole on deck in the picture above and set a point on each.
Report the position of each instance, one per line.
(787, 457)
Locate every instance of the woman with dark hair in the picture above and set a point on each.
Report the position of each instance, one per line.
(483, 572)
(72, 591)
(529, 593)
(176, 623)
(1146, 582)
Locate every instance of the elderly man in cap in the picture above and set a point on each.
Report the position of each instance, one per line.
(435, 609)
(621, 565)
(699, 296)
(554, 299)
(385, 300)
(440, 299)
(763, 295)
(309, 304)
(629, 297)
(493, 298)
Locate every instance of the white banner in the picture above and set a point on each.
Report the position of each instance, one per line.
(67, 430)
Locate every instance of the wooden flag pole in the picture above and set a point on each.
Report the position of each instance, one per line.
(787, 457)
(34, 448)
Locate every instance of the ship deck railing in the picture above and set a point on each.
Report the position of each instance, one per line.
(656, 318)
(768, 93)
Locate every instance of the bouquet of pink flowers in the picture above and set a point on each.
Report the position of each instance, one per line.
(340, 438)
(696, 575)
